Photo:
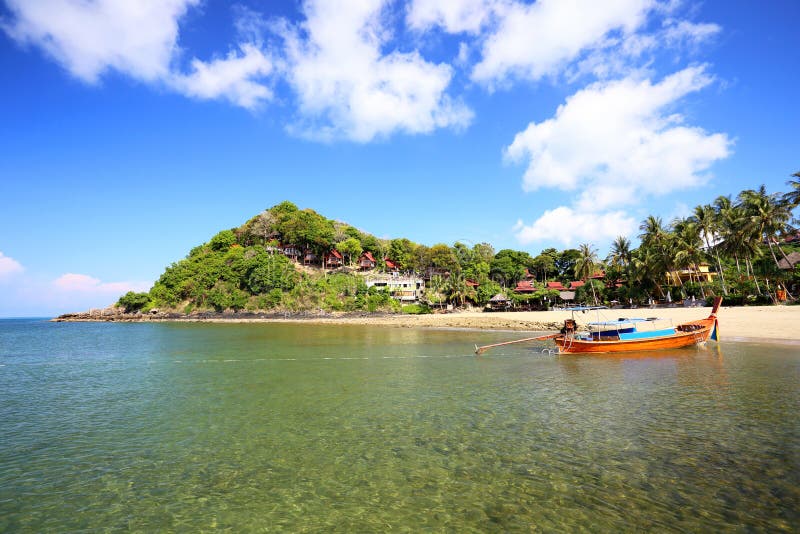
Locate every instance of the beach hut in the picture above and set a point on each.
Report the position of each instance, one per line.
(366, 261)
(499, 302)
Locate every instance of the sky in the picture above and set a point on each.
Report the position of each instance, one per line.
(131, 132)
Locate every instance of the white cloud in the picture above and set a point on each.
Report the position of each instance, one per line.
(235, 78)
(617, 141)
(347, 87)
(536, 40)
(682, 31)
(89, 37)
(85, 284)
(455, 16)
(571, 227)
(9, 267)
(138, 39)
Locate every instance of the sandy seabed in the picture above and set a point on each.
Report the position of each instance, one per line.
(768, 323)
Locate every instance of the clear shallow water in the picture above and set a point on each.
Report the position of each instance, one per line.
(203, 427)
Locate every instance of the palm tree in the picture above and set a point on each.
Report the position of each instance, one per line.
(688, 247)
(707, 222)
(585, 265)
(768, 217)
(436, 284)
(457, 290)
(792, 198)
(620, 255)
(660, 243)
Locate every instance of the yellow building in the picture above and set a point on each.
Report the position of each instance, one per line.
(701, 274)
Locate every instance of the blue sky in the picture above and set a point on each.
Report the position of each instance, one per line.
(132, 132)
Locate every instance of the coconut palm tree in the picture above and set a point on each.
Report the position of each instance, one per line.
(688, 247)
(586, 264)
(620, 255)
(707, 222)
(768, 217)
(456, 287)
(662, 246)
(792, 198)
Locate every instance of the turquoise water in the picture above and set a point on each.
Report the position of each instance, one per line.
(304, 428)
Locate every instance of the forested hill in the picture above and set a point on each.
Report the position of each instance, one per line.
(288, 259)
(291, 259)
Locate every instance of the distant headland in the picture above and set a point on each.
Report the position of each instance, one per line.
(288, 262)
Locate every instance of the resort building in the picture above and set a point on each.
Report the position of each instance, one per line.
(366, 262)
(691, 274)
(309, 257)
(402, 288)
(291, 252)
(334, 259)
(524, 286)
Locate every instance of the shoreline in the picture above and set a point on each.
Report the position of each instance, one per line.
(778, 324)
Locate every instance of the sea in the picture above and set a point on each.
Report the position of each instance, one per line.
(179, 427)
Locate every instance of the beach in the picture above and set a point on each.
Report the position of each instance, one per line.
(763, 323)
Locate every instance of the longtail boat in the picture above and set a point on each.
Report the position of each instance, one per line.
(628, 335)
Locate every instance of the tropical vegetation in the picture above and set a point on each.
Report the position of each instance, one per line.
(742, 241)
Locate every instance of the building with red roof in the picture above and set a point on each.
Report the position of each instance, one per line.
(334, 258)
(366, 261)
(524, 286)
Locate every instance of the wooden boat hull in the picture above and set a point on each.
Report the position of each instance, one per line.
(686, 334)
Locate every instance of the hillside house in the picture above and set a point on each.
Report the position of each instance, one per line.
(291, 252)
(334, 259)
(309, 257)
(366, 262)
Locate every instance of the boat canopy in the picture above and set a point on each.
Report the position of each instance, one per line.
(623, 321)
(585, 308)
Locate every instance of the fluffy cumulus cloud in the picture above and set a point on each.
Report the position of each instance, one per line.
(9, 267)
(529, 41)
(620, 136)
(140, 40)
(540, 39)
(568, 226)
(613, 143)
(454, 16)
(239, 78)
(89, 37)
(347, 87)
(350, 77)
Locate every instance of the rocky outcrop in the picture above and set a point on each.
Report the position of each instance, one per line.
(117, 314)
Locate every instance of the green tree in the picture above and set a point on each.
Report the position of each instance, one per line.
(351, 248)
(586, 265)
(133, 302)
(483, 252)
(705, 218)
(565, 263)
(442, 257)
(222, 241)
(508, 266)
(267, 272)
(792, 198)
(769, 217)
(401, 251)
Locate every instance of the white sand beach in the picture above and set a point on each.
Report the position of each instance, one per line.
(771, 323)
